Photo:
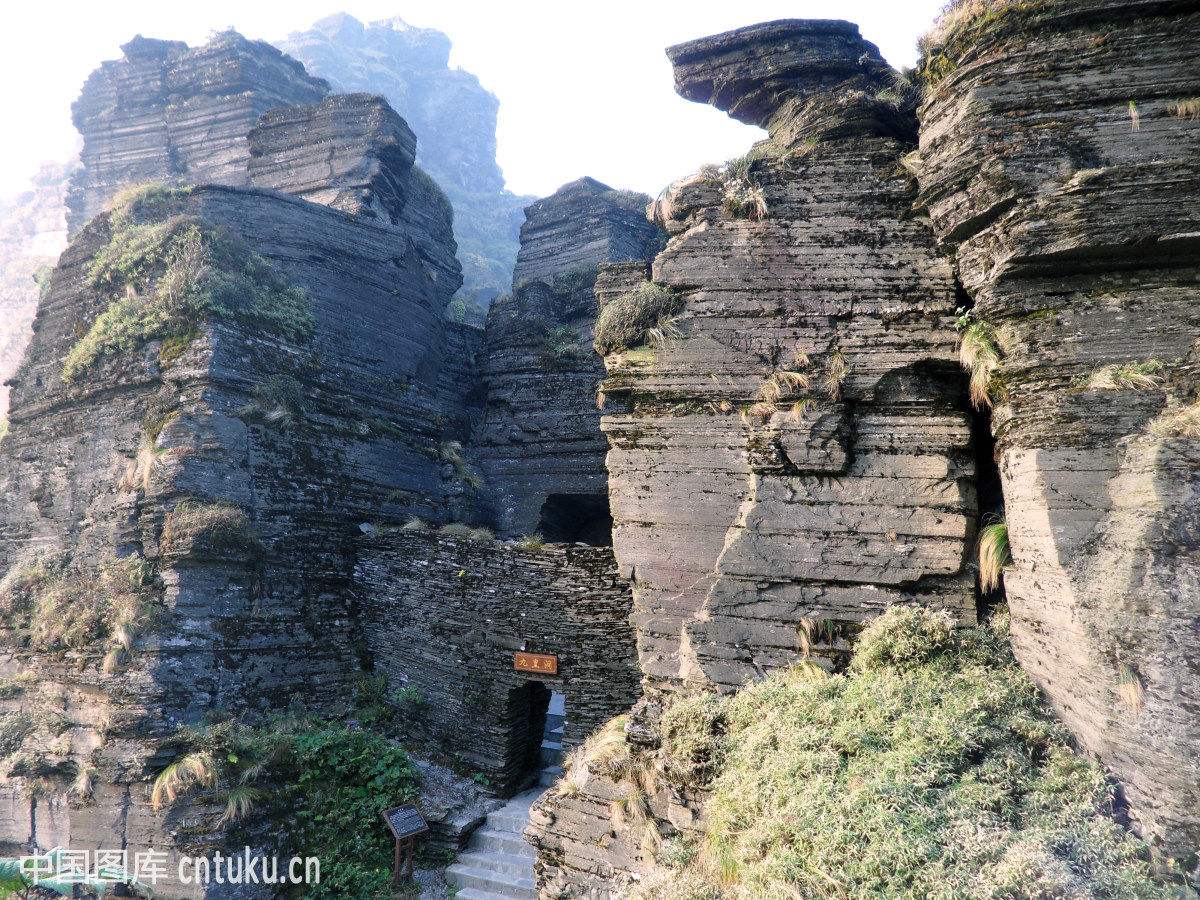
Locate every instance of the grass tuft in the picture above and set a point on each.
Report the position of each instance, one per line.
(994, 555)
(979, 354)
(165, 279)
(196, 769)
(1129, 687)
(1141, 376)
(836, 370)
(1178, 420)
(278, 401)
(625, 321)
(210, 527)
(1188, 108)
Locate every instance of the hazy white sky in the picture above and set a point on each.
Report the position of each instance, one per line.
(584, 87)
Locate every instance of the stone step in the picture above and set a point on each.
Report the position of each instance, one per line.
(515, 864)
(493, 839)
(511, 822)
(473, 894)
(492, 884)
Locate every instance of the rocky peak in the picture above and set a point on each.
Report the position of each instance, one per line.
(539, 443)
(454, 119)
(167, 112)
(350, 151)
(583, 223)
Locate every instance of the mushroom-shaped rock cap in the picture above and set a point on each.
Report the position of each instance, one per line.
(751, 72)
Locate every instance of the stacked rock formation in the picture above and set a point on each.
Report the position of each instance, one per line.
(454, 118)
(167, 112)
(1058, 163)
(539, 442)
(33, 231)
(797, 457)
(792, 454)
(179, 514)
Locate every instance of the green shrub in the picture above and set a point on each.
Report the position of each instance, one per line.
(561, 343)
(324, 784)
(166, 278)
(575, 279)
(931, 769)
(625, 321)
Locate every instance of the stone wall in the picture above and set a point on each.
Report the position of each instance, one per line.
(1060, 169)
(444, 615)
(539, 439)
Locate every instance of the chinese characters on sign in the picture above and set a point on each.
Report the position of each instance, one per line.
(542, 663)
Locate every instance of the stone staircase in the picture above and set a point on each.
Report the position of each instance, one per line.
(497, 863)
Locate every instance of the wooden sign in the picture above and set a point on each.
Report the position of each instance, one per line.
(405, 823)
(542, 663)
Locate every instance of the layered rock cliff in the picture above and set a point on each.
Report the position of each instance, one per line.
(223, 384)
(539, 442)
(33, 232)
(454, 118)
(790, 444)
(1058, 164)
(167, 112)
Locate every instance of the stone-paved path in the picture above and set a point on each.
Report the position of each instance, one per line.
(497, 862)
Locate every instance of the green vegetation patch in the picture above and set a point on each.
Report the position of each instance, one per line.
(930, 769)
(165, 278)
(325, 783)
(626, 321)
(64, 606)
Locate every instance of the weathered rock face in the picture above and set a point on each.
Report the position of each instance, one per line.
(228, 469)
(167, 112)
(444, 615)
(1059, 166)
(539, 444)
(33, 232)
(315, 152)
(791, 454)
(454, 118)
(797, 458)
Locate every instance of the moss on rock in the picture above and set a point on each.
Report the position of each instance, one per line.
(166, 278)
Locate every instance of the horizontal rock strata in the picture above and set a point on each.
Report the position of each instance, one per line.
(1058, 163)
(796, 458)
(167, 112)
(228, 466)
(539, 442)
(790, 450)
(454, 118)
